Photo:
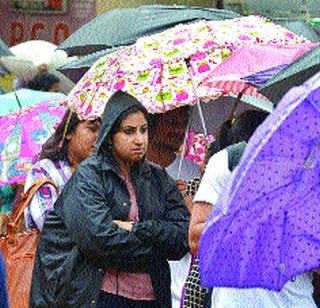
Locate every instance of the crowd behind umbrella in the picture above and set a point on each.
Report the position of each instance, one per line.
(216, 65)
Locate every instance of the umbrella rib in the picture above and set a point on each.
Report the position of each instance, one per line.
(17, 98)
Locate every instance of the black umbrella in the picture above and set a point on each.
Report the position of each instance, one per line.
(299, 27)
(121, 27)
(76, 69)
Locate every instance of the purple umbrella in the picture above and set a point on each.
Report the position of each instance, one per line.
(260, 78)
(271, 231)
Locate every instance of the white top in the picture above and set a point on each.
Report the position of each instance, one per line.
(179, 273)
(294, 294)
(215, 178)
(180, 269)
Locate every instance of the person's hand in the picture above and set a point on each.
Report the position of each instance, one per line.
(181, 185)
(195, 233)
(199, 216)
(127, 225)
(188, 199)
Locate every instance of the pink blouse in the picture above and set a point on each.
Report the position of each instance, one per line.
(136, 286)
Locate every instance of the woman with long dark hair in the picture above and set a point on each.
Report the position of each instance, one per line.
(115, 225)
(72, 142)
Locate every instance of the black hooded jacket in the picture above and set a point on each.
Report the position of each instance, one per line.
(79, 241)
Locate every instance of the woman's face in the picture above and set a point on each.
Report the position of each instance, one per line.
(130, 142)
(82, 140)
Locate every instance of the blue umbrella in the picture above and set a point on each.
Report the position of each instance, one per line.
(270, 232)
(121, 27)
(4, 49)
(260, 78)
(13, 101)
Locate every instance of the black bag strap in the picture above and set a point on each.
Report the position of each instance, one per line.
(235, 152)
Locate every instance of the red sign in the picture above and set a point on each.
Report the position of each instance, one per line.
(18, 27)
(38, 31)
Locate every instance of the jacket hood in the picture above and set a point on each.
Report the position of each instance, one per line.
(118, 103)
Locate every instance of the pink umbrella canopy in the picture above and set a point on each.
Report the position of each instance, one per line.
(22, 135)
(251, 59)
(166, 70)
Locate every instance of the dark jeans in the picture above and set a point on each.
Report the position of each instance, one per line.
(107, 300)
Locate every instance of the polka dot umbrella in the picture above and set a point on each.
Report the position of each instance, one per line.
(270, 232)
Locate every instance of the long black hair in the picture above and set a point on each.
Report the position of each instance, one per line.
(56, 147)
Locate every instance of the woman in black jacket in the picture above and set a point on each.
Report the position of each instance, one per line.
(114, 226)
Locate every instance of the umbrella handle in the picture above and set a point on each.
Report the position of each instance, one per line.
(238, 99)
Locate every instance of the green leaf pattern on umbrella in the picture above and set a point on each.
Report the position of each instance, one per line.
(166, 70)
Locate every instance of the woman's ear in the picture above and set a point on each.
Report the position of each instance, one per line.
(68, 136)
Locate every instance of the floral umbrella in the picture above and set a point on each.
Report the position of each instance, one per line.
(166, 70)
(22, 135)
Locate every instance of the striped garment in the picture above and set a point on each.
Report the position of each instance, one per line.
(46, 196)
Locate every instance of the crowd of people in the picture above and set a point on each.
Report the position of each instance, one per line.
(123, 227)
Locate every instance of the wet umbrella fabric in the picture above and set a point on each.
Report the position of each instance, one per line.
(298, 27)
(77, 68)
(126, 25)
(293, 75)
(247, 59)
(270, 233)
(13, 101)
(259, 79)
(166, 70)
(22, 135)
